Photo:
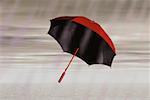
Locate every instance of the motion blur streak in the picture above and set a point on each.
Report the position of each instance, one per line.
(31, 61)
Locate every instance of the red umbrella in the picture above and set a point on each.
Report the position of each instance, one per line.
(83, 38)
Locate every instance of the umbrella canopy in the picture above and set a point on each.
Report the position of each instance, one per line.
(83, 38)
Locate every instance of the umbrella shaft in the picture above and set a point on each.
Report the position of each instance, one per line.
(72, 59)
(63, 74)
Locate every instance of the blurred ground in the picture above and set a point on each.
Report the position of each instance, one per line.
(31, 61)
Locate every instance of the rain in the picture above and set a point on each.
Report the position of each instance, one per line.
(31, 61)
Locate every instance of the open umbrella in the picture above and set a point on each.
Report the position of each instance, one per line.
(83, 38)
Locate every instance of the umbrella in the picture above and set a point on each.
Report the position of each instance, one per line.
(83, 38)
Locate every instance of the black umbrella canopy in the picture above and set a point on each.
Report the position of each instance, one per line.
(94, 47)
(83, 38)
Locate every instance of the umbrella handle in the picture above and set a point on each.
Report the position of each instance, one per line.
(63, 74)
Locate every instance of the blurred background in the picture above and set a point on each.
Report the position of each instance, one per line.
(31, 61)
